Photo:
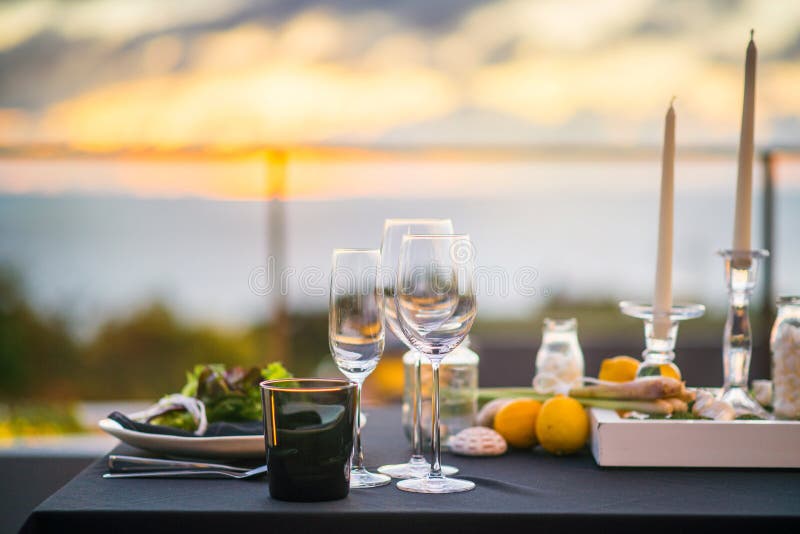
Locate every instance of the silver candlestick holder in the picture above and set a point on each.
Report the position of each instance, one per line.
(741, 276)
(659, 350)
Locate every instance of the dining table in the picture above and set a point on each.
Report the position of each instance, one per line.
(522, 489)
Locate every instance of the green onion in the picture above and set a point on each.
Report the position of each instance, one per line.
(653, 406)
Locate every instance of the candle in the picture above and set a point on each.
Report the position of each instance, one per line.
(662, 300)
(744, 181)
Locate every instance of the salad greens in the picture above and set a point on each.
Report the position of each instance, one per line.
(230, 395)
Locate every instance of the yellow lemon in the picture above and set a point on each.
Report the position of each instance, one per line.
(562, 426)
(388, 379)
(618, 369)
(516, 422)
(671, 370)
(371, 329)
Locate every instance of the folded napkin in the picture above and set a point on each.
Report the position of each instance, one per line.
(247, 428)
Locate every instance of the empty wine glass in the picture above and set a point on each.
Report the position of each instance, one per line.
(436, 308)
(393, 232)
(356, 335)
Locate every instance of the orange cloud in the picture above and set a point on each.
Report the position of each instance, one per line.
(277, 103)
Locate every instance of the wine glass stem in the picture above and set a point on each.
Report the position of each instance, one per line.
(436, 465)
(417, 431)
(358, 452)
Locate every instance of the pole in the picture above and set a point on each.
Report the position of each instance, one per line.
(279, 340)
(768, 237)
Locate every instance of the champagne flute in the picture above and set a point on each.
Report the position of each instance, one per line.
(436, 308)
(356, 335)
(393, 232)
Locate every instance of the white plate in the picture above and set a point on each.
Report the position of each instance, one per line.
(215, 447)
(195, 447)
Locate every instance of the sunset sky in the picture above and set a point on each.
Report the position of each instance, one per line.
(170, 73)
(154, 75)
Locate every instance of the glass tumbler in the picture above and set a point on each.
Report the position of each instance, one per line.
(308, 430)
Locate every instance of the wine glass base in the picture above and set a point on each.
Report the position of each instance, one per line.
(361, 478)
(435, 485)
(743, 403)
(414, 470)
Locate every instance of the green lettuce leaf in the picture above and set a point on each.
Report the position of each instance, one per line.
(231, 395)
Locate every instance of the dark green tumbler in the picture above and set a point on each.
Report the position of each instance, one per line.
(308, 429)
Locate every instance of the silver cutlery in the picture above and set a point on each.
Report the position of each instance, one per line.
(127, 464)
(191, 473)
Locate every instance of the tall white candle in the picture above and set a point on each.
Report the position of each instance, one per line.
(662, 300)
(744, 181)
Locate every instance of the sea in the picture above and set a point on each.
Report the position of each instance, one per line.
(91, 243)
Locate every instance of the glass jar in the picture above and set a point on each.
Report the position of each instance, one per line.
(458, 393)
(785, 345)
(559, 362)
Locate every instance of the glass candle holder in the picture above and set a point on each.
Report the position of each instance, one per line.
(659, 350)
(741, 276)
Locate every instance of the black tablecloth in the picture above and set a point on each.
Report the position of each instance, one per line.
(530, 490)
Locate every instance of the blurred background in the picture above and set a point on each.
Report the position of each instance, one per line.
(161, 161)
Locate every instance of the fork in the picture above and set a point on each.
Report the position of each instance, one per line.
(118, 463)
(192, 473)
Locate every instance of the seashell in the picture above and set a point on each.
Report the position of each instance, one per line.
(709, 407)
(486, 414)
(702, 399)
(719, 411)
(762, 391)
(477, 441)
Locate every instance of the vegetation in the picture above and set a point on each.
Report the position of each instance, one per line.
(23, 419)
(229, 394)
(142, 356)
(145, 354)
(37, 354)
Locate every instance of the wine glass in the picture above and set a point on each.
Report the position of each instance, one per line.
(356, 335)
(436, 308)
(393, 232)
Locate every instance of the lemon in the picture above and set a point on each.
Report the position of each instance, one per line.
(516, 422)
(618, 369)
(562, 426)
(670, 370)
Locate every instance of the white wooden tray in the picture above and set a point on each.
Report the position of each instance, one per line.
(692, 443)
